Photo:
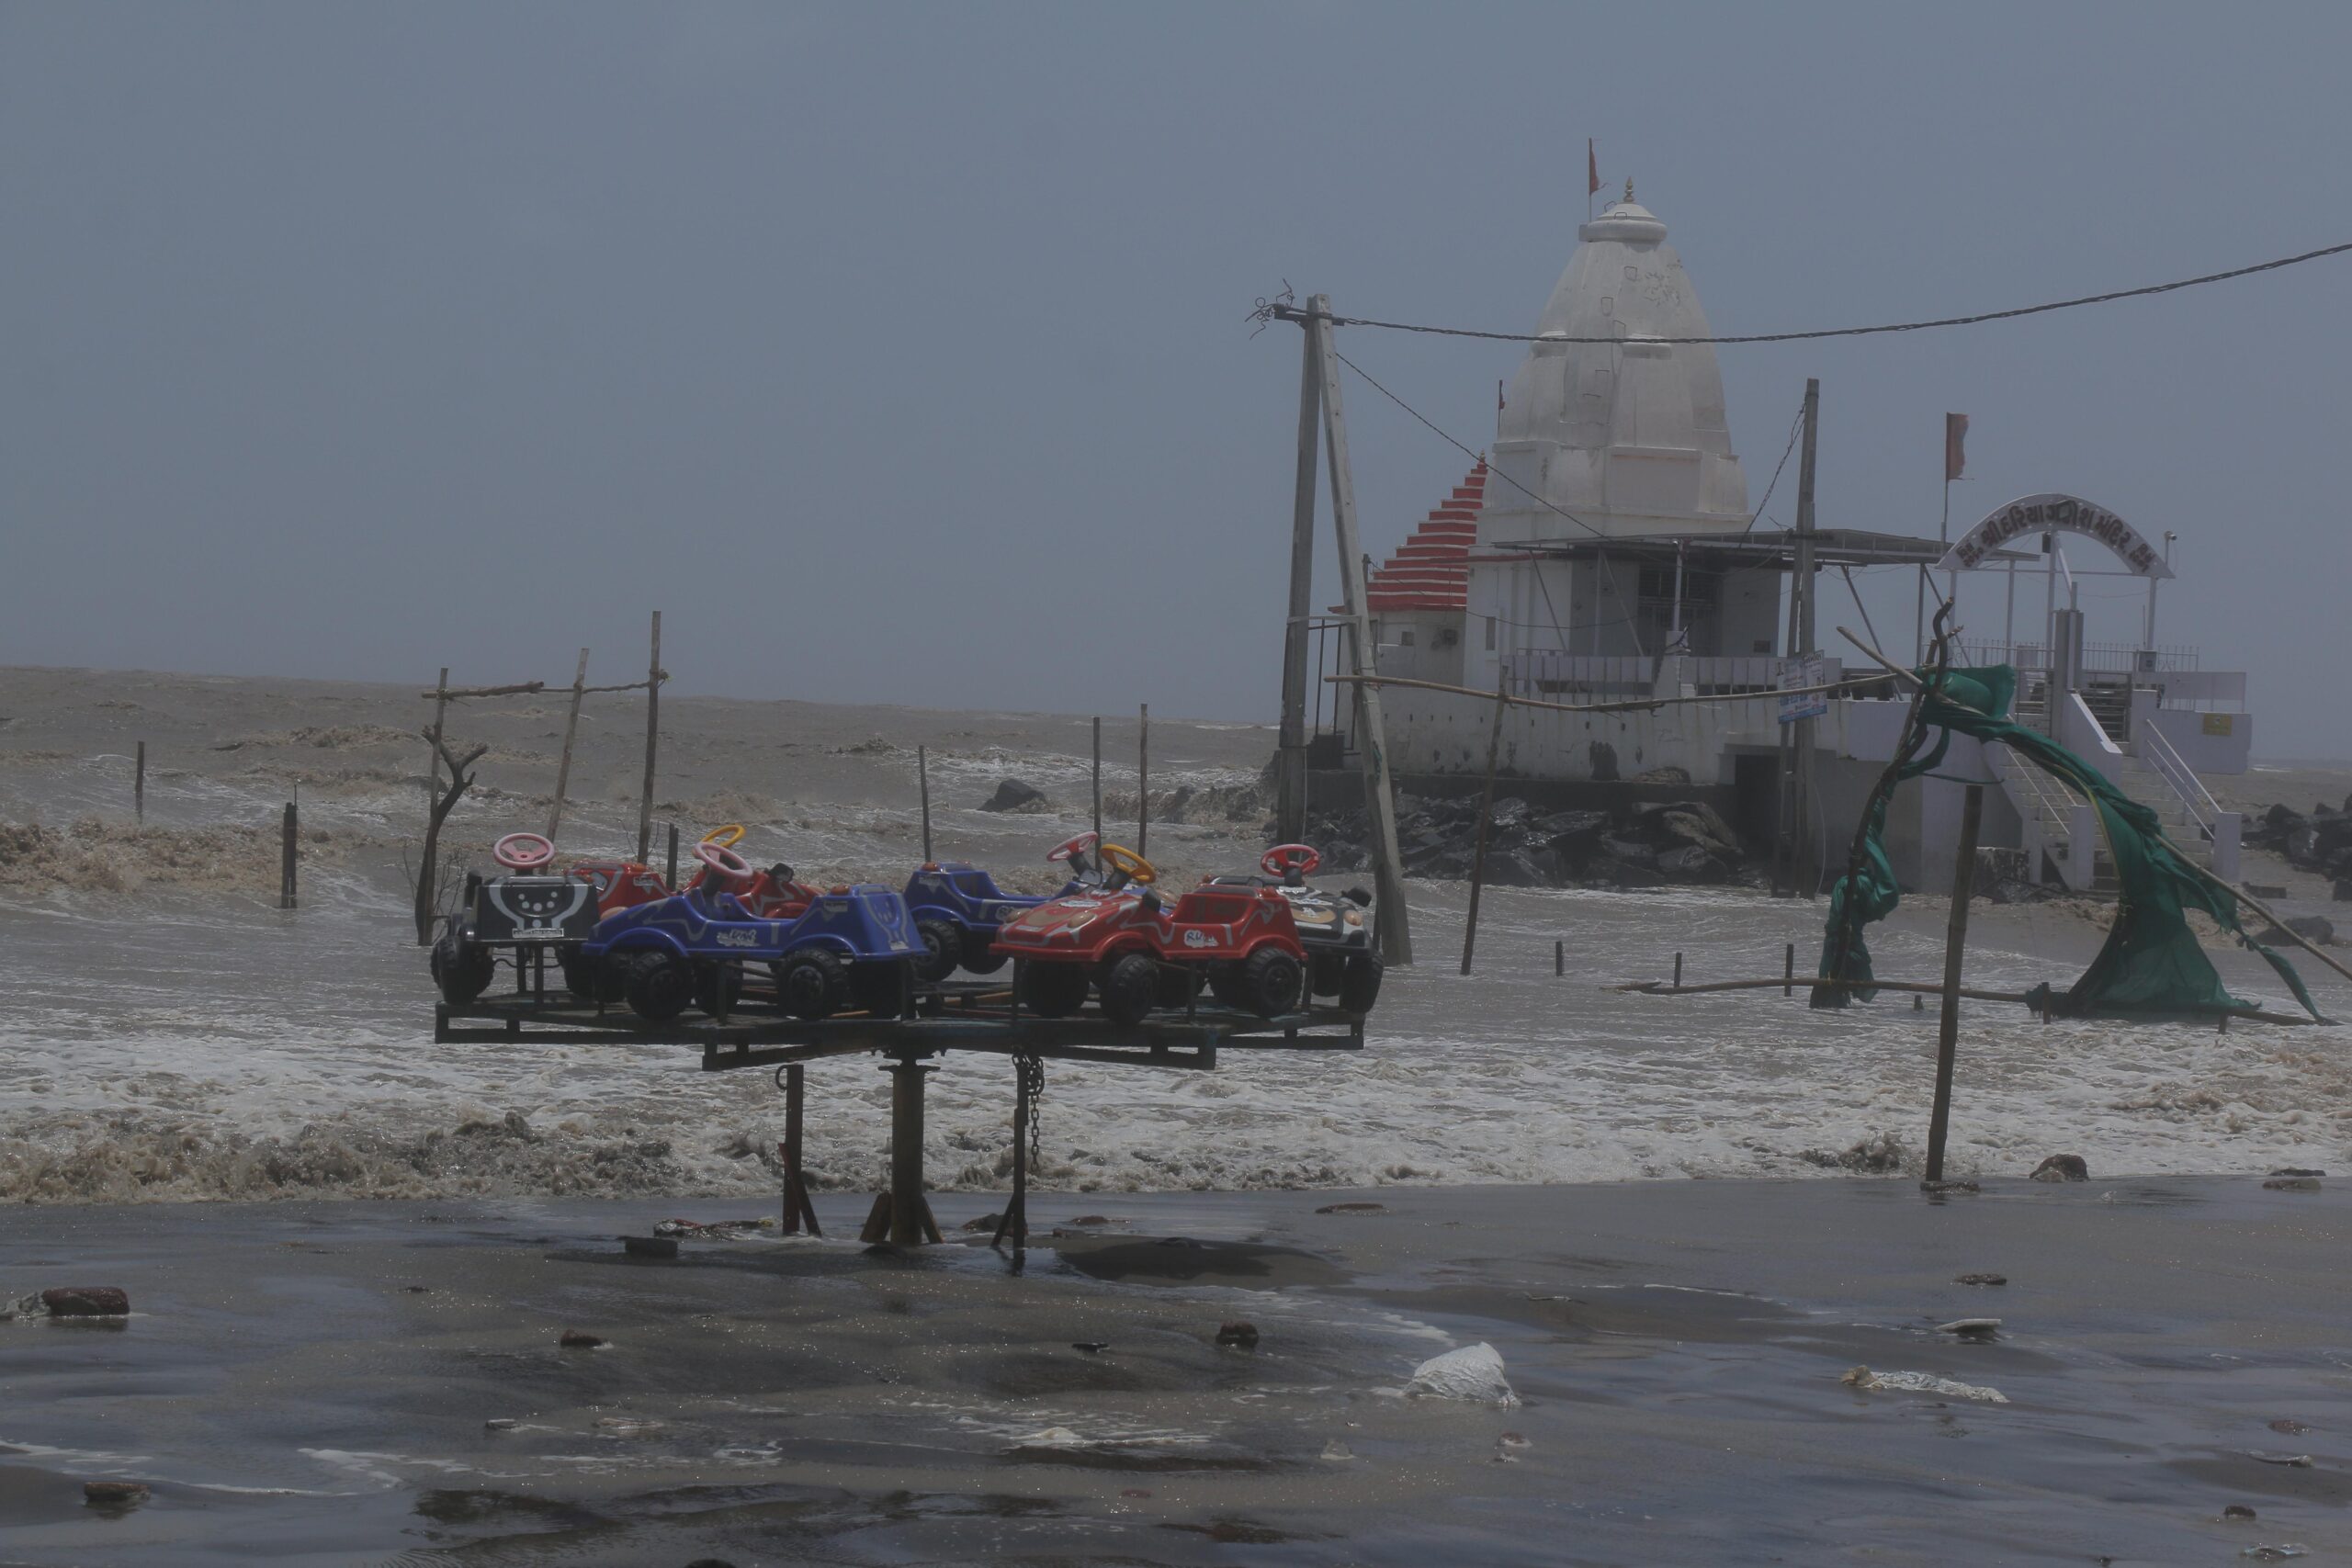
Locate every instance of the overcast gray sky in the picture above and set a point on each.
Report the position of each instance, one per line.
(897, 353)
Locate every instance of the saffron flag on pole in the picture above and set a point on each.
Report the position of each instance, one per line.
(1955, 446)
(1592, 169)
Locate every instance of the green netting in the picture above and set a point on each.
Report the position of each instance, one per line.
(2152, 962)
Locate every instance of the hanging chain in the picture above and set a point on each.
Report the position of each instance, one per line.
(1031, 1072)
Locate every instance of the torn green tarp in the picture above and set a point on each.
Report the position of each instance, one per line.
(2152, 962)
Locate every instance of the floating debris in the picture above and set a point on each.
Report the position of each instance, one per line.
(1971, 1328)
(1920, 1383)
(1981, 1279)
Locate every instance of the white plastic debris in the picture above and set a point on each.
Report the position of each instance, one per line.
(1053, 1438)
(1474, 1373)
(1922, 1383)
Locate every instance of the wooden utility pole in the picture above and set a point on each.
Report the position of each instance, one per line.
(139, 785)
(1372, 733)
(1143, 784)
(1290, 766)
(1802, 844)
(1485, 817)
(1964, 886)
(571, 730)
(427, 874)
(652, 739)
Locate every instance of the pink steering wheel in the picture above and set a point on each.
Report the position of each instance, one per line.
(1075, 846)
(523, 852)
(730, 867)
(1285, 860)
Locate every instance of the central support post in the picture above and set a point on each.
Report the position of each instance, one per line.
(1804, 843)
(910, 1221)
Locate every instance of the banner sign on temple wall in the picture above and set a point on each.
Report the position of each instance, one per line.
(2058, 514)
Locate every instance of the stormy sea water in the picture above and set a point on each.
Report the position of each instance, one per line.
(169, 1033)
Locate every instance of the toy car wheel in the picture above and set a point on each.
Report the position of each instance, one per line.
(1269, 982)
(658, 987)
(1359, 986)
(1053, 990)
(1225, 984)
(1128, 987)
(1325, 972)
(943, 944)
(717, 987)
(462, 969)
(880, 988)
(976, 956)
(1176, 985)
(811, 983)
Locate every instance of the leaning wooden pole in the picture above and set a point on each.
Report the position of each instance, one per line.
(1372, 732)
(1486, 819)
(652, 741)
(1963, 887)
(571, 732)
(1290, 772)
(139, 785)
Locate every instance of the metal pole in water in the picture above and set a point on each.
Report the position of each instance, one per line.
(1963, 882)
(1486, 815)
(922, 779)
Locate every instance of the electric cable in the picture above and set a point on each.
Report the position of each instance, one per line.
(1284, 310)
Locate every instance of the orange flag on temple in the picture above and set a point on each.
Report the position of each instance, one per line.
(1955, 446)
(1592, 169)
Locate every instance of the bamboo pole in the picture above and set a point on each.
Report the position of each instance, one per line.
(571, 730)
(652, 739)
(1485, 817)
(1964, 885)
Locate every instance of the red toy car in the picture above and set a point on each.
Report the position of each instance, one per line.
(1137, 954)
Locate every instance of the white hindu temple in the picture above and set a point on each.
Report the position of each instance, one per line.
(1606, 549)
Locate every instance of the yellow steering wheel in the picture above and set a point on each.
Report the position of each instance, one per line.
(725, 837)
(1120, 858)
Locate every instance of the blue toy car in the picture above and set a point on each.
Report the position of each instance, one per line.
(851, 945)
(957, 909)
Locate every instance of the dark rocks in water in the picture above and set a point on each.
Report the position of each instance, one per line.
(2317, 930)
(983, 1223)
(2297, 1170)
(1628, 851)
(1692, 863)
(1239, 1335)
(1353, 1209)
(580, 1339)
(1012, 795)
(114, 1493)
(2237, 1511)
(1981, 1279)
(1091, 1220)
(2342, 891)
(86, 1300)
(1565, 828)
(1876, 1156)
(2061, 1168)
(1092, 1346)
(2291, 1184)
(1645, 844)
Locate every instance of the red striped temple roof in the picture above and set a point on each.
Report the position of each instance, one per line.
(1431, 570)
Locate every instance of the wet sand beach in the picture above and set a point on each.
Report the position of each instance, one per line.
(317, 1383)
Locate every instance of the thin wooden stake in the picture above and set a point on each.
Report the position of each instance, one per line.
(139, 785)
(1560, 957)
(1143, 784)
(1678, 971)
(571, 730)
(922, 781)
(286, 859)
(1788, 971)
(1098, 780)
(652, 739)
(1964, 886)
(1486, 815)
(672, 878)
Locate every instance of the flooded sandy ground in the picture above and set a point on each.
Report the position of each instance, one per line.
(317, 1383)
(168, 1033)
